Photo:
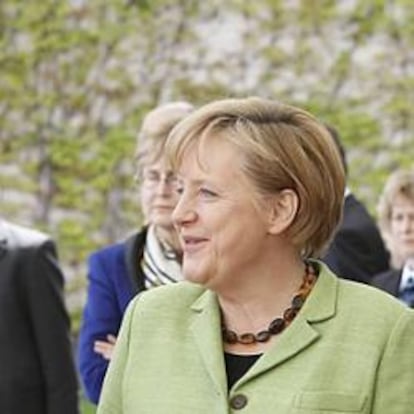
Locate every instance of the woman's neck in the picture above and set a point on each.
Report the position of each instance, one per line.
(253, 306)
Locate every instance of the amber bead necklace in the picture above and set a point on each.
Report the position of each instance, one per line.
(280, 323)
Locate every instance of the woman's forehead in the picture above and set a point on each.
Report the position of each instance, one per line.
(402, 201)
(160, 163)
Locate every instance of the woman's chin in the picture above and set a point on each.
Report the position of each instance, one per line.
(194, 275)
(161, 220)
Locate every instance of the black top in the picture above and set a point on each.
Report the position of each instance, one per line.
(237, 366)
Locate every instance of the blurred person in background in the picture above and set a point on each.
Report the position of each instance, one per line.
(37, 374)
(357, 250)
(149, 258)
(259, 325)
(396, 219)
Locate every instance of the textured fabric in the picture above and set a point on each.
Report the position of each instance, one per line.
(350, 349)
(159, 268)
(37, 374)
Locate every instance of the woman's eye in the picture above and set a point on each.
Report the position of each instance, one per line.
(205, 192)
(179, 189)
(152, 176)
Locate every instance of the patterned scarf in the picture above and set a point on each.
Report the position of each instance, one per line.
(159, 265)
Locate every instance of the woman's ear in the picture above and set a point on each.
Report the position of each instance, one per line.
(283, 209)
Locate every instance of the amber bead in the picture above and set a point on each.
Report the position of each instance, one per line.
(230, 336)
(290, 314)
(277, 326)
(263, 336)
(298, 301)
(247, 339)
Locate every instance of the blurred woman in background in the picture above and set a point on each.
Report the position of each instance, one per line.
(396, 219)
(149, 258)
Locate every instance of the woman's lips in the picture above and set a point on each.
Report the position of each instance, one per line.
(192, 244)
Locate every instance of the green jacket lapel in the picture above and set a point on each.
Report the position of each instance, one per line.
(206, 331)
(320, 306)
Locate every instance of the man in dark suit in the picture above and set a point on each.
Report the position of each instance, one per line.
(357, 251)
(37, 374)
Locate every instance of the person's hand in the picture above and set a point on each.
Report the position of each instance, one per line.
(105, 348)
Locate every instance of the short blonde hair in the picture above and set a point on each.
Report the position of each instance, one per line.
(282, 147)
(154, 131)
(399, 183)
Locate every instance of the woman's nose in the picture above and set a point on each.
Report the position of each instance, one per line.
(163, 187)
(184, 211)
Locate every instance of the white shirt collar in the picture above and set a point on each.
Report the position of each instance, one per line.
(347, 191)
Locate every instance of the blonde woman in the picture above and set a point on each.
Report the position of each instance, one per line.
(396, 219)
(259, 326)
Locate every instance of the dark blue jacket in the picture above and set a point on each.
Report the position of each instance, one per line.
(115, 277)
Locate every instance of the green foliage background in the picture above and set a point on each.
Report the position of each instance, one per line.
(77, 76)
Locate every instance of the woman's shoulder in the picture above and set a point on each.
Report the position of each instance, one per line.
(176, 292)
(169, 298)
(371, 316)
(370, 303)
(361, 303)
(357, 314)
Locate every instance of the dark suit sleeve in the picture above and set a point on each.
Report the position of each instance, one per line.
(354, 255)
(343, 256)
(357, 251)
(43, 290)
(102, 316)
(388, 281)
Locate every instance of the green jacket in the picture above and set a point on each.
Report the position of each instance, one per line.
(349, 350)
